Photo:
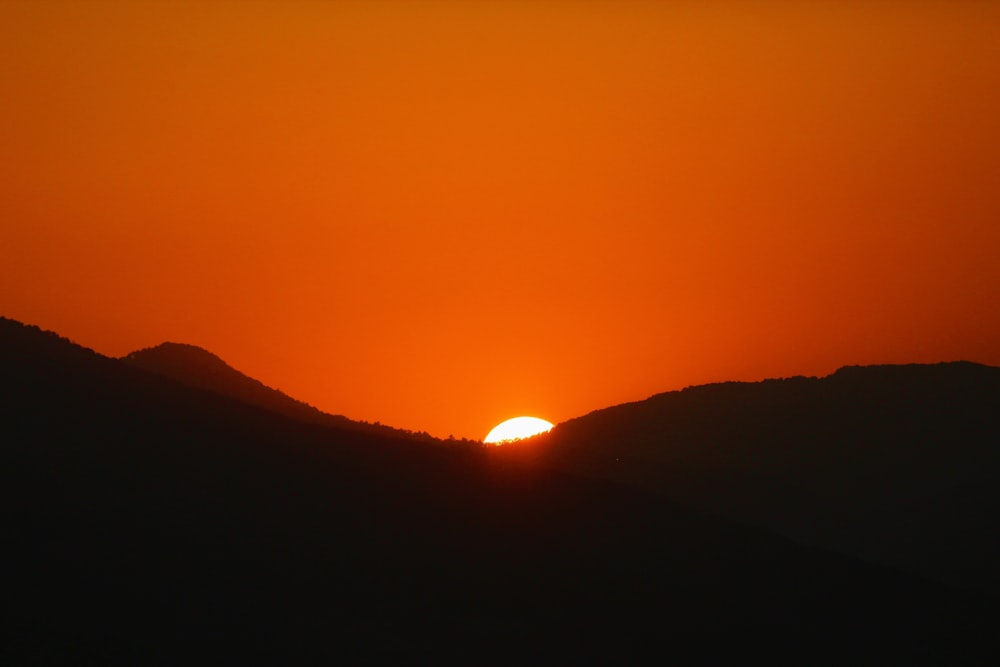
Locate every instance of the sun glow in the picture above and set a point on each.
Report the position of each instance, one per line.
(517, 428)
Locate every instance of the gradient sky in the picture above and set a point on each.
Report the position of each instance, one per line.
(440, 215)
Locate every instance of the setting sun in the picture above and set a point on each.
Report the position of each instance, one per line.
(517, 428)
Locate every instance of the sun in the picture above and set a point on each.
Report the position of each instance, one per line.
(517, 428)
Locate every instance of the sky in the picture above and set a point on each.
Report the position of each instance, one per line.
(438, 215)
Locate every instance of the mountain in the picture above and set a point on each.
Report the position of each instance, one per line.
(197, 367)
(894, 464)
(149, 522)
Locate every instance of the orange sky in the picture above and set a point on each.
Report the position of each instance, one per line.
(440, 215)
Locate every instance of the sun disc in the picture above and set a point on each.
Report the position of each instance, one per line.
(517, 428)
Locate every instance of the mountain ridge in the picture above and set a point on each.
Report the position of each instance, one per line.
(840, 371)
(892, 463)
(198, 367)
(159, 521)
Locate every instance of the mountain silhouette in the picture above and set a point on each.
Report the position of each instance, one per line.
(894, 464)
(150, 522)
(197, 367)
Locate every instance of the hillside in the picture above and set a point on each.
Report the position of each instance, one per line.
(197, 367)
(155, 523)
(894, 464)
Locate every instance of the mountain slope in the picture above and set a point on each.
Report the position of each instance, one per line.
(197, 367)
(895, 464)
(154, 523)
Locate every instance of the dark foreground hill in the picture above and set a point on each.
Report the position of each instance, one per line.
(895, 464)
(151, 523)
(196, 367)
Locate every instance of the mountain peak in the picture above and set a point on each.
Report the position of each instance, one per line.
(197, 367)
(179, 358)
